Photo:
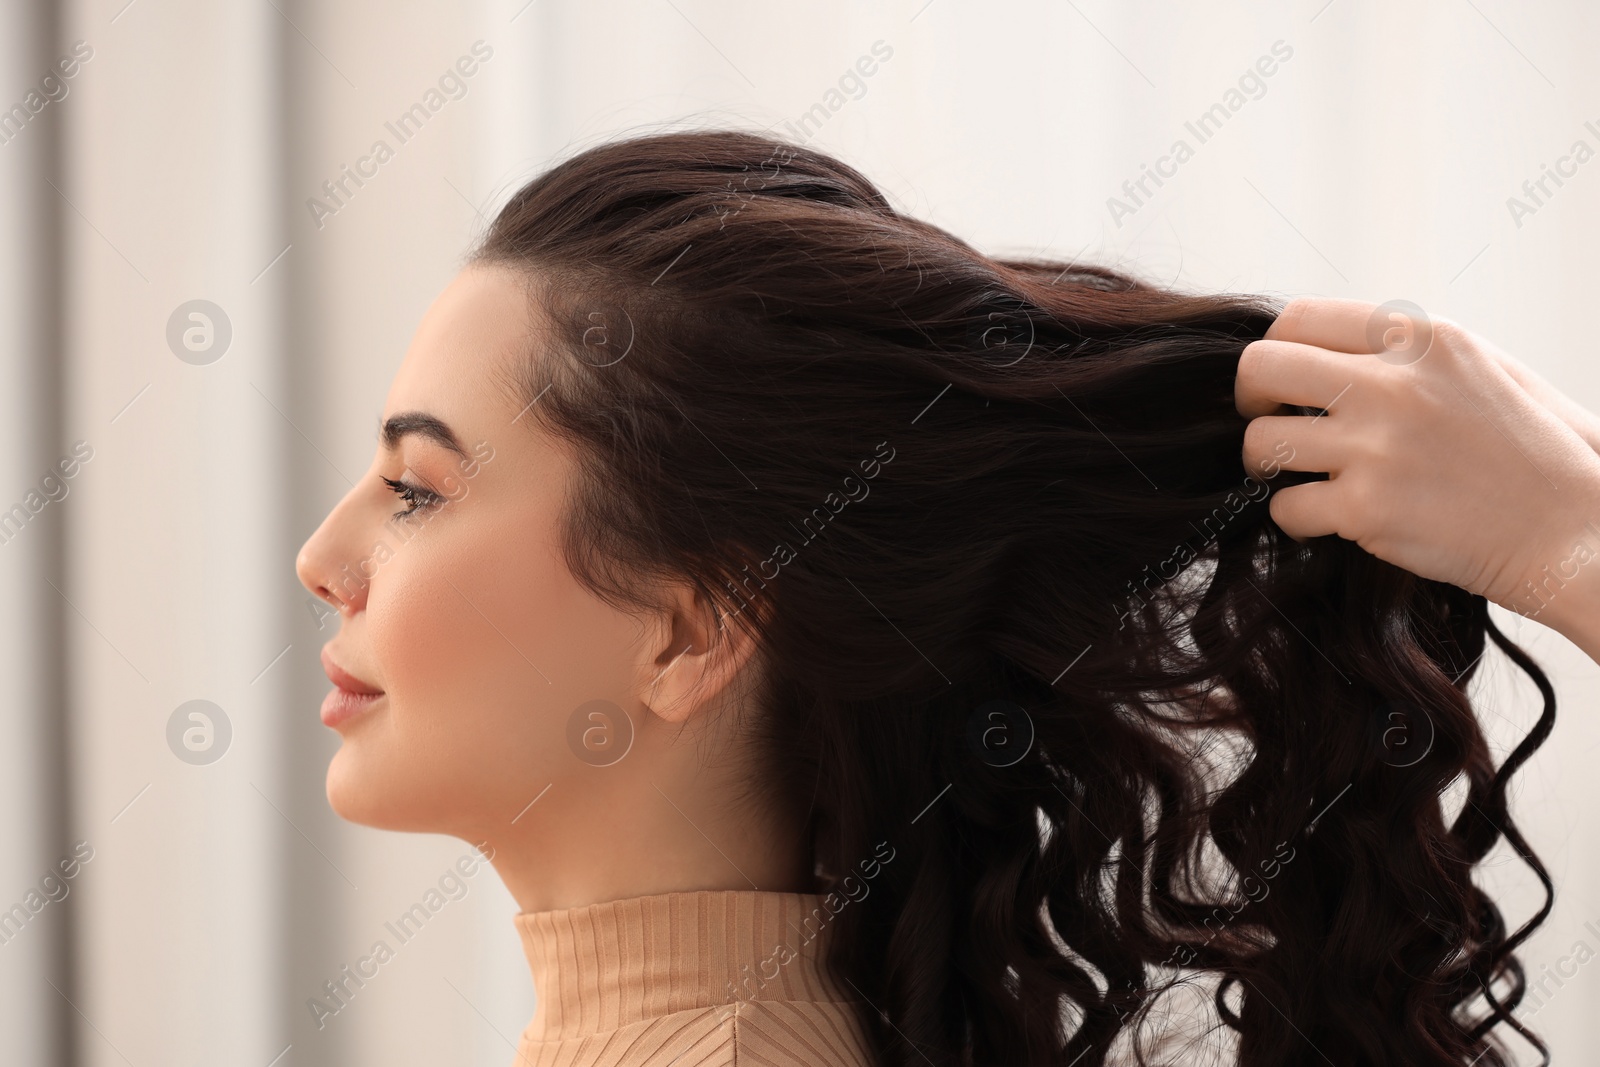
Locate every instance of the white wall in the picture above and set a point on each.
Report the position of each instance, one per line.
(1376, 163)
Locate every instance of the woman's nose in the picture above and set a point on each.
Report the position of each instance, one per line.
(329, 563)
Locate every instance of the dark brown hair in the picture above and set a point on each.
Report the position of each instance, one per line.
(1024, 616)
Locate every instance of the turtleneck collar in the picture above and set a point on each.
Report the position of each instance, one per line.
(597, 967)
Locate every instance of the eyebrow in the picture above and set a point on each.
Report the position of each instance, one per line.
(396, 427)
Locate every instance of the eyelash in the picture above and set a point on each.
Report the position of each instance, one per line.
(415, 495)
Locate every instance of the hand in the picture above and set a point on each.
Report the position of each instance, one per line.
(1585, 422)
(1439, 458)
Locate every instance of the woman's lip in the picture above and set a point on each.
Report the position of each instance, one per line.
(341, 705)
(344, 679)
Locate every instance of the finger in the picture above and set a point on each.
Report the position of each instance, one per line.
(1274, 443)
(1326, 322)
(1307, 510)
(1272, 373)
(1398, 331)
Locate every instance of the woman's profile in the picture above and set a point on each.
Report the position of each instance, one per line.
(853, 648)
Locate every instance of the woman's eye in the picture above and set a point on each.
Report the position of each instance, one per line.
(415, 496)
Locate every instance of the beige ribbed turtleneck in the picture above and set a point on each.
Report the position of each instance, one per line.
(714, 978)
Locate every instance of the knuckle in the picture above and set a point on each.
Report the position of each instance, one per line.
(1250, 359)
(1256, 434)
(1449, 335)
(1292, 316)
(1284, 508)
(1377, 443)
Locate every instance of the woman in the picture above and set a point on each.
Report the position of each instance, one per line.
(852, 648)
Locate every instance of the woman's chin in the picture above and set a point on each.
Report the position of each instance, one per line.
(346, 796)
(361, 791)
(358, 795)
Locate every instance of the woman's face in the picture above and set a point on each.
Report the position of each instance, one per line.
(462, 614)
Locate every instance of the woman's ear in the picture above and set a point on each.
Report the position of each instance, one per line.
(694, 653)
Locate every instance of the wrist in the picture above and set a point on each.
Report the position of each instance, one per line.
(1565, 593)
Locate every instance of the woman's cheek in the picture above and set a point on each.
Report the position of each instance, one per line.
(461, 633)
(442, 756)
(426, 641)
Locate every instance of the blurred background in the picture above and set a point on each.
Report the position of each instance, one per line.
(210, 270)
